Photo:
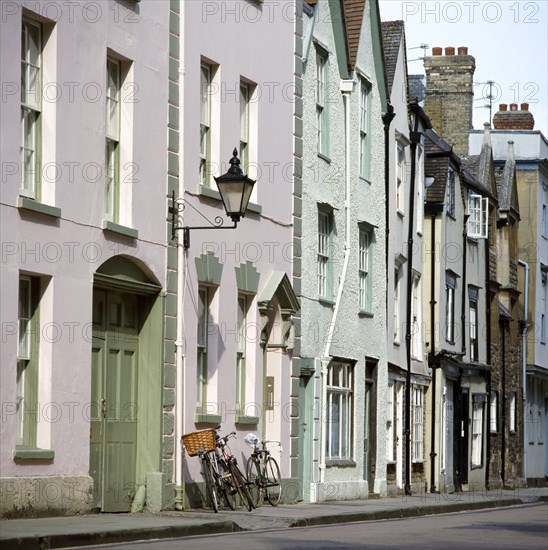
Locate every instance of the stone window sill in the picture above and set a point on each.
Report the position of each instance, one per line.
(32, 453)
(30, 205)
(324, 157)
(200, 418)
(120, 229)
(247, 420)
(340, 463)
(365, 313)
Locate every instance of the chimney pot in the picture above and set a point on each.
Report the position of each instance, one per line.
(525, 106)
(513, 106)
(463, 50)
(436, 51)
(449, 50)
(503, 107)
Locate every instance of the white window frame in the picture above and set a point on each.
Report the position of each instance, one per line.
(478, 220)
(390, 423)
(420, 190)
(364, 269)
(401, 173)
(322, 85)
(512, 413)
(112, 138)
(325, 229)
(340, 389)
(477, 433)
(245, 95)
(397, 304)
(416, 319)
(31, 109)
(473, 309)
(202, 370)
(206, 84)
(494, 413)
(444, 427)
(241, 354)
(450, 288)
(365, 146)
(27, 375)
(418, 424)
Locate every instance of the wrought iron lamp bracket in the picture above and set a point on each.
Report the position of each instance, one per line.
(175, 210)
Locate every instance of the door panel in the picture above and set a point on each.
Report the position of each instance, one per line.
(114, 389)
(367, 474)
(96, 425)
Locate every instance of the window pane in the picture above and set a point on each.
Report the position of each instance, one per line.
(110, 176)
(324, 230)
(113, 99)
(24, 319)
(335, 426)
(205, 84)
(30, 65)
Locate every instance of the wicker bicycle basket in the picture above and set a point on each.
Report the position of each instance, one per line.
(202, 438)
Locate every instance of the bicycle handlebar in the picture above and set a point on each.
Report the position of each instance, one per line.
(223, 440)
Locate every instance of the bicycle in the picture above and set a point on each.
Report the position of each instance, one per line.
(217, 478)
(236, 478)
(263, 472)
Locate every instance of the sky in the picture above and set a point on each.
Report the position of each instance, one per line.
(508, 38)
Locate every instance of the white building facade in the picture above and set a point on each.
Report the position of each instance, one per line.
(341, 339)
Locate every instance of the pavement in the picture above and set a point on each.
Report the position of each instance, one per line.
(65, 532)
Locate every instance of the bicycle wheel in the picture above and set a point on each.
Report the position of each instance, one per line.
(273, 481)
(254, 481)
(241, 485)
(210, 487)
(227, 487)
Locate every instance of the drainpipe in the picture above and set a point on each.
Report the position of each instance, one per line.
(415, 139)
(181, 273)
(433, 354)
(503, 447)
(488, 358)
(347, 87)
(387, 119)
(524, 364)
(464, 289)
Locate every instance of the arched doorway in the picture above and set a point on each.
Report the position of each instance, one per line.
(125, 383)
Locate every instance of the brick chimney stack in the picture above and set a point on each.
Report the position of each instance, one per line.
(450, 94)
(513, 119)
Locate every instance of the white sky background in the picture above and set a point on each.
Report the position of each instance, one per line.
(508, 38)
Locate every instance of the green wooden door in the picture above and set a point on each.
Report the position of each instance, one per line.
(367, 438)
(113, 436)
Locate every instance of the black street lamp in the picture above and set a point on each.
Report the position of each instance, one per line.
(235, 189)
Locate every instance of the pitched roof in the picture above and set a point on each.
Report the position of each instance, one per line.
(392, 34)
(353, 11)
(439, 156)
